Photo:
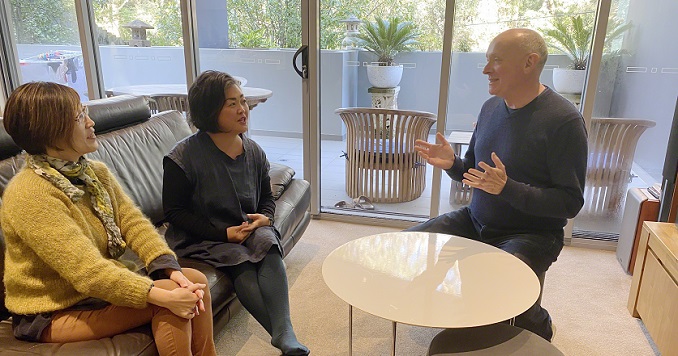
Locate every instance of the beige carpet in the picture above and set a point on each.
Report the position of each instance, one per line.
(585, 292)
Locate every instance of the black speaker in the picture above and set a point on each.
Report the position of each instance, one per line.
(670, 170)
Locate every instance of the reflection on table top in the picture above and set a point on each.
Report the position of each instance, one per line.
(250, 93)
(430, 279)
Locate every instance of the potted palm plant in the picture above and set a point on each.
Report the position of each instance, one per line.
(572, 36)
(385, 39)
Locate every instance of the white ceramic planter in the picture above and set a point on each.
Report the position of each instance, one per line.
(568, 81)
(384, 76)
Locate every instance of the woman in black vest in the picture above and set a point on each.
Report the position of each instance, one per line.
(217, 198)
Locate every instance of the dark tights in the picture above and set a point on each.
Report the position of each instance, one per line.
(262, 289)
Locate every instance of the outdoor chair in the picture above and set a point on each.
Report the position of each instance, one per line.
(381, 163)
(163, 102)
(612, 144)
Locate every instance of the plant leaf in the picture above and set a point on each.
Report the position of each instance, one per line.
(387, 38)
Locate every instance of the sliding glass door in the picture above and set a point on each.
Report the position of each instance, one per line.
(345, 82)
(631, 121)
(368, 165)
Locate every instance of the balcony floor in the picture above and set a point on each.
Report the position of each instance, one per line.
(288, 151)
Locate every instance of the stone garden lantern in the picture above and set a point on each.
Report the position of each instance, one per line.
(350, 41)
(139, 33)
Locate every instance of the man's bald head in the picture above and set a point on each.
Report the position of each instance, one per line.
(527, 41)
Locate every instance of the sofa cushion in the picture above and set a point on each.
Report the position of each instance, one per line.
(117, 112)
(8, 168)
(281, 176)
(221, 286)
(134, 342)
(7, 146)
(134, 155)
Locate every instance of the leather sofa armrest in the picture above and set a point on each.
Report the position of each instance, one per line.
(281, 176)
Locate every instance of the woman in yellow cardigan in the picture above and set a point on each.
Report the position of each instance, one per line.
(67, 221)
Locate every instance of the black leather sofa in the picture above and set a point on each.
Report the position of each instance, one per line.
(132, 143)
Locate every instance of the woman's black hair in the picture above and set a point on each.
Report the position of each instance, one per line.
(206, 98)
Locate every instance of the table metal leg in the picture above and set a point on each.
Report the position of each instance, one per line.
(350, 330)
(393, 348)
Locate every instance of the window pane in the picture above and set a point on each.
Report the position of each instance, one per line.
(637, 87)
(141, 46)
(48, 46)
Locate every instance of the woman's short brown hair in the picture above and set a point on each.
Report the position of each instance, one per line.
(39, 115)
(206, 97)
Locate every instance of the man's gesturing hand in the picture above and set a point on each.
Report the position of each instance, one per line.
(490, 179)
(439, 154)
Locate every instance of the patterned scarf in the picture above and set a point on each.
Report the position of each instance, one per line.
(56, 170)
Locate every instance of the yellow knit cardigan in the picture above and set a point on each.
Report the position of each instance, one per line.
(56, 251)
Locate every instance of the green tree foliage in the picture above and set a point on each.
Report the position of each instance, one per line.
(280, 20)
(167, 23)
(572, 35)
(163, 15)
(465, 16)
(277, 23)
(45, 22)
(54, 22)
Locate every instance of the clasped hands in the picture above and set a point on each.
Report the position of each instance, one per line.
(187, 300)
(441, 155)
(240, 233)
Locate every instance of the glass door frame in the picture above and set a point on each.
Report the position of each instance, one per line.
(84, 14)
(9, 59)
(310, 87)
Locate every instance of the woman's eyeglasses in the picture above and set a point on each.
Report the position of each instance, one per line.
(80, 119)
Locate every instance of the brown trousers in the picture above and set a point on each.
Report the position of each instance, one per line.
(173, 334)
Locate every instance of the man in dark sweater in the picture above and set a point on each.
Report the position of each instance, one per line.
(526, 162)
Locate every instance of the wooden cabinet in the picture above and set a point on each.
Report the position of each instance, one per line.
(654, 288)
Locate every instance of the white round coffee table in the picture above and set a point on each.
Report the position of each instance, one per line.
(429, 279)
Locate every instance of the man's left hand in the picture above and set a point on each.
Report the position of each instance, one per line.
(490, 179)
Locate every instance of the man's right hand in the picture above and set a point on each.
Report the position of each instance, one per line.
(238, 234)
(439, 154)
